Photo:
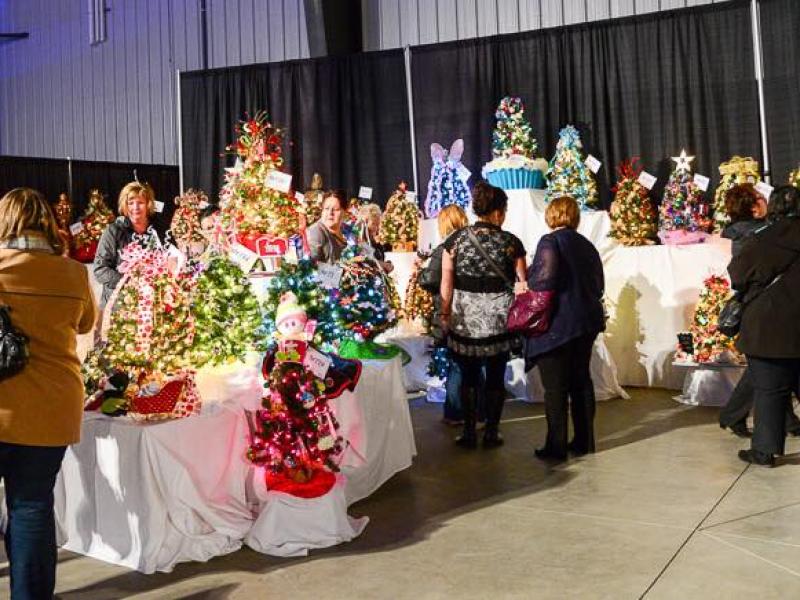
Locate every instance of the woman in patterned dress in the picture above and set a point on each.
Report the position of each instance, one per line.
(479, 267)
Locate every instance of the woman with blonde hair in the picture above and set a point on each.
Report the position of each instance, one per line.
(136, 205)
(49, 301)
(567, 278)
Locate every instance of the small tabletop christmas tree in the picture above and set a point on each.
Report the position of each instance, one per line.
(95, 220)
(736, 171)
(794, 178)
(684, 213)
(249, 208)
(710, 345)
(400, 222)
(419, 302)
(634, 220)
(185, 227)
(567, 174)
(513, 164)
(448, 182)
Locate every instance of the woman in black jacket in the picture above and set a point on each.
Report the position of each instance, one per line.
(767, 275)
(567, 274)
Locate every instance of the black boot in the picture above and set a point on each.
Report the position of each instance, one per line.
(494, 411)
(468, 438)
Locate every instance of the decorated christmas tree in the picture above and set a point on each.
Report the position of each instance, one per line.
(227, 316)
(710, 345)
(367, 297)
(684, 213)
(794, 178)
(185, 228)
(250, 208)
(634, 220)
(312, 200)
(513, 164)
(567, 174)
(736, 171)
(400, 222)
(94, 221)
(448, 182)
(419, 302)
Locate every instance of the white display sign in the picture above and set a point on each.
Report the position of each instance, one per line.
(242, 256)
(329, 276)
(765, 189)
(317, 362)
(159, 206)
(701, 181)
(463, 172)
(365, 192)
(76, 228)
(300, 197)
(179, 257)
(411, 196)
(593, 164)
(278, 180)
(647, 180)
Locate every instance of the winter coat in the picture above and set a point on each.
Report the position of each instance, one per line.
(742, 231)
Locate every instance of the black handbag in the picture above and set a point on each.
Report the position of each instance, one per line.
(13, 346)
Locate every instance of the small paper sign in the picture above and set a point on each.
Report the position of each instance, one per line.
(329, 275)
(278, 180)
(159, 206)
(180, 258)
(701, 181)
(463, 172)
(317, 362)
(76, 228)
(764, 189)
(243, 257)
(300, 197)
(647, 180)
(365, 192)
(593, 164)
(411, 196)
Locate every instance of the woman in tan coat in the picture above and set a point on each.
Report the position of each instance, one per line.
(50, 302)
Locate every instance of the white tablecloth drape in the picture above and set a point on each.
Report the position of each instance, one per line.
(709, 385)
(651, 294)
(148, 496)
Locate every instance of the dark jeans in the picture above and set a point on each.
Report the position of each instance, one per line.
(452, 402)
(773, 380)
(741, 402)
(483, 378)
(565, 376)
(472, 371)
(29, 474)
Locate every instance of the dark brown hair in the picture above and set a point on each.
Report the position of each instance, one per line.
(486, 199)
(739, 202)
(340, 195)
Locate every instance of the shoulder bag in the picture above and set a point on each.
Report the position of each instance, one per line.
(13, 346)
(529, 313)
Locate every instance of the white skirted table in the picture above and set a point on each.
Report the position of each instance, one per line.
(651, 294)
(148, 496)
(708, 384)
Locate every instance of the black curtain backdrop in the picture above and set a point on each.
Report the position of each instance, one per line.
(643, 86)
(344, 117)
(780, 39)
(51, 177)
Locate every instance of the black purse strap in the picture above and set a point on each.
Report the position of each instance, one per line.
(5, 319)
(475, 242)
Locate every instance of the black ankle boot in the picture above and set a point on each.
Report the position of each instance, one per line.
(494, 411)
(469, 437)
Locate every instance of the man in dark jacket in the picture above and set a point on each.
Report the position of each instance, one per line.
(767, 274)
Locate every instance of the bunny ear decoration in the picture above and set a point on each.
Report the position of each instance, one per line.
(438, 153)
(456, 150)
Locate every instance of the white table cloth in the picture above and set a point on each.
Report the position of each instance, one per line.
(708, 385)
(651, 294)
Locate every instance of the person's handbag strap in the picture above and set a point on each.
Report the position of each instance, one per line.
(475, 242)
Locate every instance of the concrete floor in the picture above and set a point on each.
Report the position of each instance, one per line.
(663, 510)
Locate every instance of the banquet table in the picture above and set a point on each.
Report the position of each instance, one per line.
(150, 495)
(708, 384)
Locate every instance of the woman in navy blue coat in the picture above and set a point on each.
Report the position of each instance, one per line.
(568, 274)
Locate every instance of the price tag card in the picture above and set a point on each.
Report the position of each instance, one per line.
(647, 180)
(365, 192)
(411, 196)
(300, 197)
(317, 362)
(242, 256)
(278, 180)
(329, 275)
(463, 172)
(765, 189)
(179, 257)
(76, 228)
(593, 164)
(701, 181)
(159, 206)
